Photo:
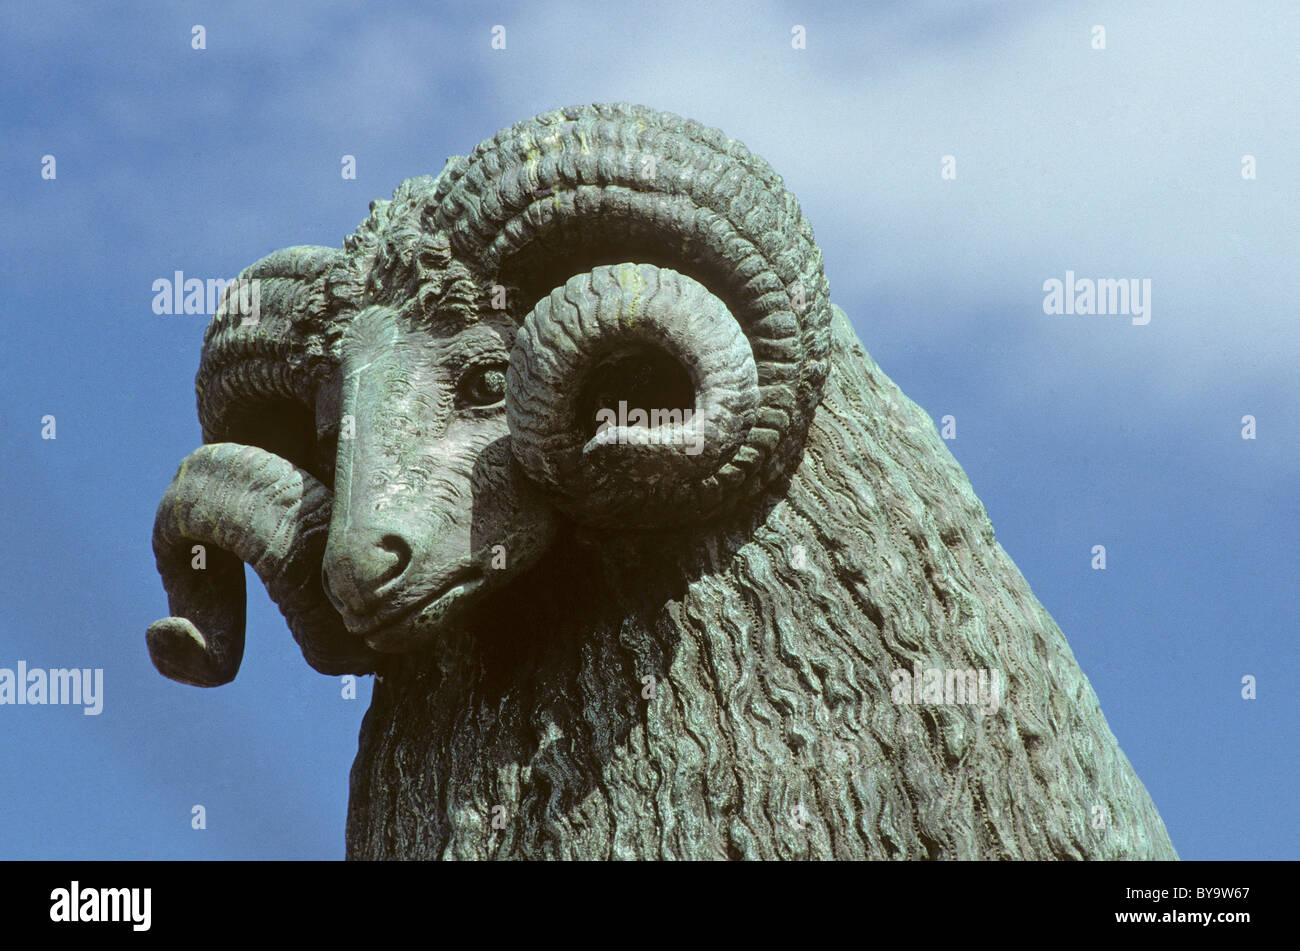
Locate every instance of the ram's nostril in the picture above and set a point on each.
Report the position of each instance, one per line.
(359, 571)
(398, 547)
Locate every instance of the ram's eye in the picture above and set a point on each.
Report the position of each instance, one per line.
(485, 386)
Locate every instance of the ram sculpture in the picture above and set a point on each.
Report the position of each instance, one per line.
(570, 448)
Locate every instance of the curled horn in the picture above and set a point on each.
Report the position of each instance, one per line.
(264, 360)
(628, 231)
(250, 506)
(248, 495)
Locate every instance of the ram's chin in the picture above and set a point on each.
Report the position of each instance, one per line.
(420, 627)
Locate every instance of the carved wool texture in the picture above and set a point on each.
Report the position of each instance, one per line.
(682, 656)
(772, 690)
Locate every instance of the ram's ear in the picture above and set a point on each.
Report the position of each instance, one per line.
(256, 379)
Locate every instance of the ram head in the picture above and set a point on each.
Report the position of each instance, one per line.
(406, 425)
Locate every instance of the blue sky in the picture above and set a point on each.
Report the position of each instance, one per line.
(1075, 431)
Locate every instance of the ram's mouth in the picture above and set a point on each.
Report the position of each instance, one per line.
(410, 626)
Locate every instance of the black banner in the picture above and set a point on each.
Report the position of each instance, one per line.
(958, 900)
